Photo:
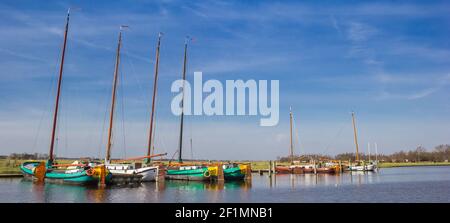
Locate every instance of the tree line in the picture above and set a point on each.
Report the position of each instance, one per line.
(440, 153)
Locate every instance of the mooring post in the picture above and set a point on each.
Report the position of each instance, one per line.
(248, 171)
(270, 168)
(220, 175)
(314, 166)
(161, 173)
(102, 176)
(274, 167)
(340, 167)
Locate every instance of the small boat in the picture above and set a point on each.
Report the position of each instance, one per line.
(50, 171)
(359, 165)
(290, 169)
(235, 171)
(363, 167)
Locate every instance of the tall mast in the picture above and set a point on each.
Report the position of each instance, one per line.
(61, 67)
(376, 152)
(368, 147)
(356, 138)
(180, 143)
(113, 100)
(150, 135)
(292, 145)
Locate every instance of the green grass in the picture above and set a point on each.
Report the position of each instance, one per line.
(8, 166)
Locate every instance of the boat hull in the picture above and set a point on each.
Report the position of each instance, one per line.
(188, 173)
(289, 170)
(233, 173)
(77, 177)
(369, 167)
(148, 174)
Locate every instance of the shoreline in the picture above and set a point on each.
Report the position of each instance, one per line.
(6, 172)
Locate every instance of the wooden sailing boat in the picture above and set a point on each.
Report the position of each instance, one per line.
(291, 168)
(297, 168)
(360, 165)
(180, 171)
(76, 173)
(124, 171)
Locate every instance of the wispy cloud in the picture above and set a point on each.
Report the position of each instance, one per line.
(437, 84)
(22, 55)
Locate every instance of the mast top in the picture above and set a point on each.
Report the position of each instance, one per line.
(72, 8)
(187, 39)
(122, 27)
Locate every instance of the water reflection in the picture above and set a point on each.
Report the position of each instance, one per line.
(96, 195)
(351, 186)
(295, 181)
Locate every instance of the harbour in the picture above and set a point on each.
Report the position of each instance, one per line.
(400, 184)
(224, 102)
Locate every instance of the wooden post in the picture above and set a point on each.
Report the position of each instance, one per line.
(340, 167)
(314, 166)
(220, 174)
(161, 173)
(270, 168)
(274, 167)
(248, 173)
(102, 181)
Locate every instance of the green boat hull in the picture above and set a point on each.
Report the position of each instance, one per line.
(233, 173)
(199, 174)
(53, 176)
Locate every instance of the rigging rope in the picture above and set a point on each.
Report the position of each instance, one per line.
(335, 137)
(50, 89)
(123, 112)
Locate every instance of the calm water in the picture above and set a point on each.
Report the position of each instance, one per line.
(408, 184)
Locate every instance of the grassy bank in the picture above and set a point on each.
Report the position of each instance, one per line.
(10, 166)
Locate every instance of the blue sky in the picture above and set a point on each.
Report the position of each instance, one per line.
(387, 60)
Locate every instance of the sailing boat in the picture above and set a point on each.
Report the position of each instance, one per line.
(299, 169)
(180, 171)
(236, 171)
(50, 171)
(125, 171)
(359, 165)
(291, 168)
